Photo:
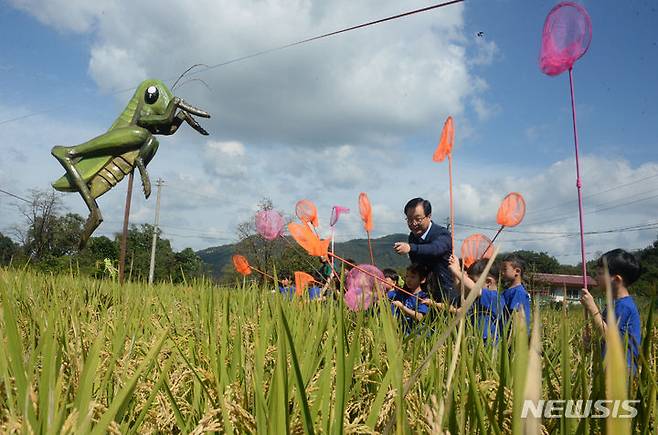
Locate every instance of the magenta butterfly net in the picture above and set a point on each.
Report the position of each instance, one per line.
(269, 224)
(336, 211)
(566, 37)
(362, 289)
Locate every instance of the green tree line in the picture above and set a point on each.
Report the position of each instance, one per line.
(48, 238)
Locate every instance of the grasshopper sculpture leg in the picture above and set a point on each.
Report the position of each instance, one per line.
(94, 167)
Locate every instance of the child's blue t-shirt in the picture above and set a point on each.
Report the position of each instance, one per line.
(287, 291)
(515, 298)
(314, 292)
(629, 324)
(411, 302)
(487, 312)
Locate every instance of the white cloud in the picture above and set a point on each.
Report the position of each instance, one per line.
(485, 110)
(375, 85)
(76, 16)
(114, 66)
(486, 52)
(225, 159)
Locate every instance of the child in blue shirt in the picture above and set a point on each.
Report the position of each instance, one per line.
(487, 308)
(514, 297)
(286, 288)
(624, 270)
(411, 308)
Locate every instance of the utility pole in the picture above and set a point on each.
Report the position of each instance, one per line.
(159, 183)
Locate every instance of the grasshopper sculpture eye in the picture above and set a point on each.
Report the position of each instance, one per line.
(94, 167)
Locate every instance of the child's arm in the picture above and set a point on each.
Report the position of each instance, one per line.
(440, 305)
(453, 265)
(408, 311)
(587, 301)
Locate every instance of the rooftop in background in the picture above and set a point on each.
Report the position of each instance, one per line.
(563, 280)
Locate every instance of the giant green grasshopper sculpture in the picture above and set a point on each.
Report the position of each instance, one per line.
(94, 167)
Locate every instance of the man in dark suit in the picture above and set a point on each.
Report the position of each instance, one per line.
(431, 246)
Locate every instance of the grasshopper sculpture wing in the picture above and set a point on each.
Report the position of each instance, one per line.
(94, 167)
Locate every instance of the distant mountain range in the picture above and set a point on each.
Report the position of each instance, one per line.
(217, 257)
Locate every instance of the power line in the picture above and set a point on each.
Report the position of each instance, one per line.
(16, 196)
(595, 210)
(575, 201)
(510, 230)
(267, 51)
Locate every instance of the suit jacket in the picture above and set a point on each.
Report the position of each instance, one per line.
(434, 252)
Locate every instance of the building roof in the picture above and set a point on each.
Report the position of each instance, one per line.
(568, 280)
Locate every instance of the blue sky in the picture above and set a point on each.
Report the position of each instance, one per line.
(360, 112)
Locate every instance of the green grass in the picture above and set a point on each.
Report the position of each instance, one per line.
(79, 355)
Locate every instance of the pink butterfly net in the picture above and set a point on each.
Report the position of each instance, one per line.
(269, 224)
(363, 289)
(336, 211)
(566, 37)
(307, 212)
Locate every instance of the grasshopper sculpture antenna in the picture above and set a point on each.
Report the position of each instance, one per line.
(96, 166)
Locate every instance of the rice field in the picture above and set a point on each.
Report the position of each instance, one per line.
(81, 355)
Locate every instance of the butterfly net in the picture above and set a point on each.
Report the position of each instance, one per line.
(475, 247)
(302, 280)
(269, 224)
(511, 210)
(306, 211)
(308, 240)
(241, 265)
(445, 144)
(336, 211)
(366, 211)
(566, 37)
(362, 289)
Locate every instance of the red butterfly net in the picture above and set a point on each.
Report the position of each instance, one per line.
(566, 37)
(363, 288)
(302, 280)
(241, 265)
(511, 210)
(306, 211)
(366, 211)
(308, 240)
(269, 224)
(475, 247)
(445, 144)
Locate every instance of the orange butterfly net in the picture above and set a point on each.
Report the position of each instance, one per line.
(302, 280)
(443, 150)
(475, 247)
(511, 210)
(366, 211)
(366, 216)
(307, 212)
(308, 240)
(241, 265)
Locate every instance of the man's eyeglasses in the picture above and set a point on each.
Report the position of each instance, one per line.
(415, 221)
